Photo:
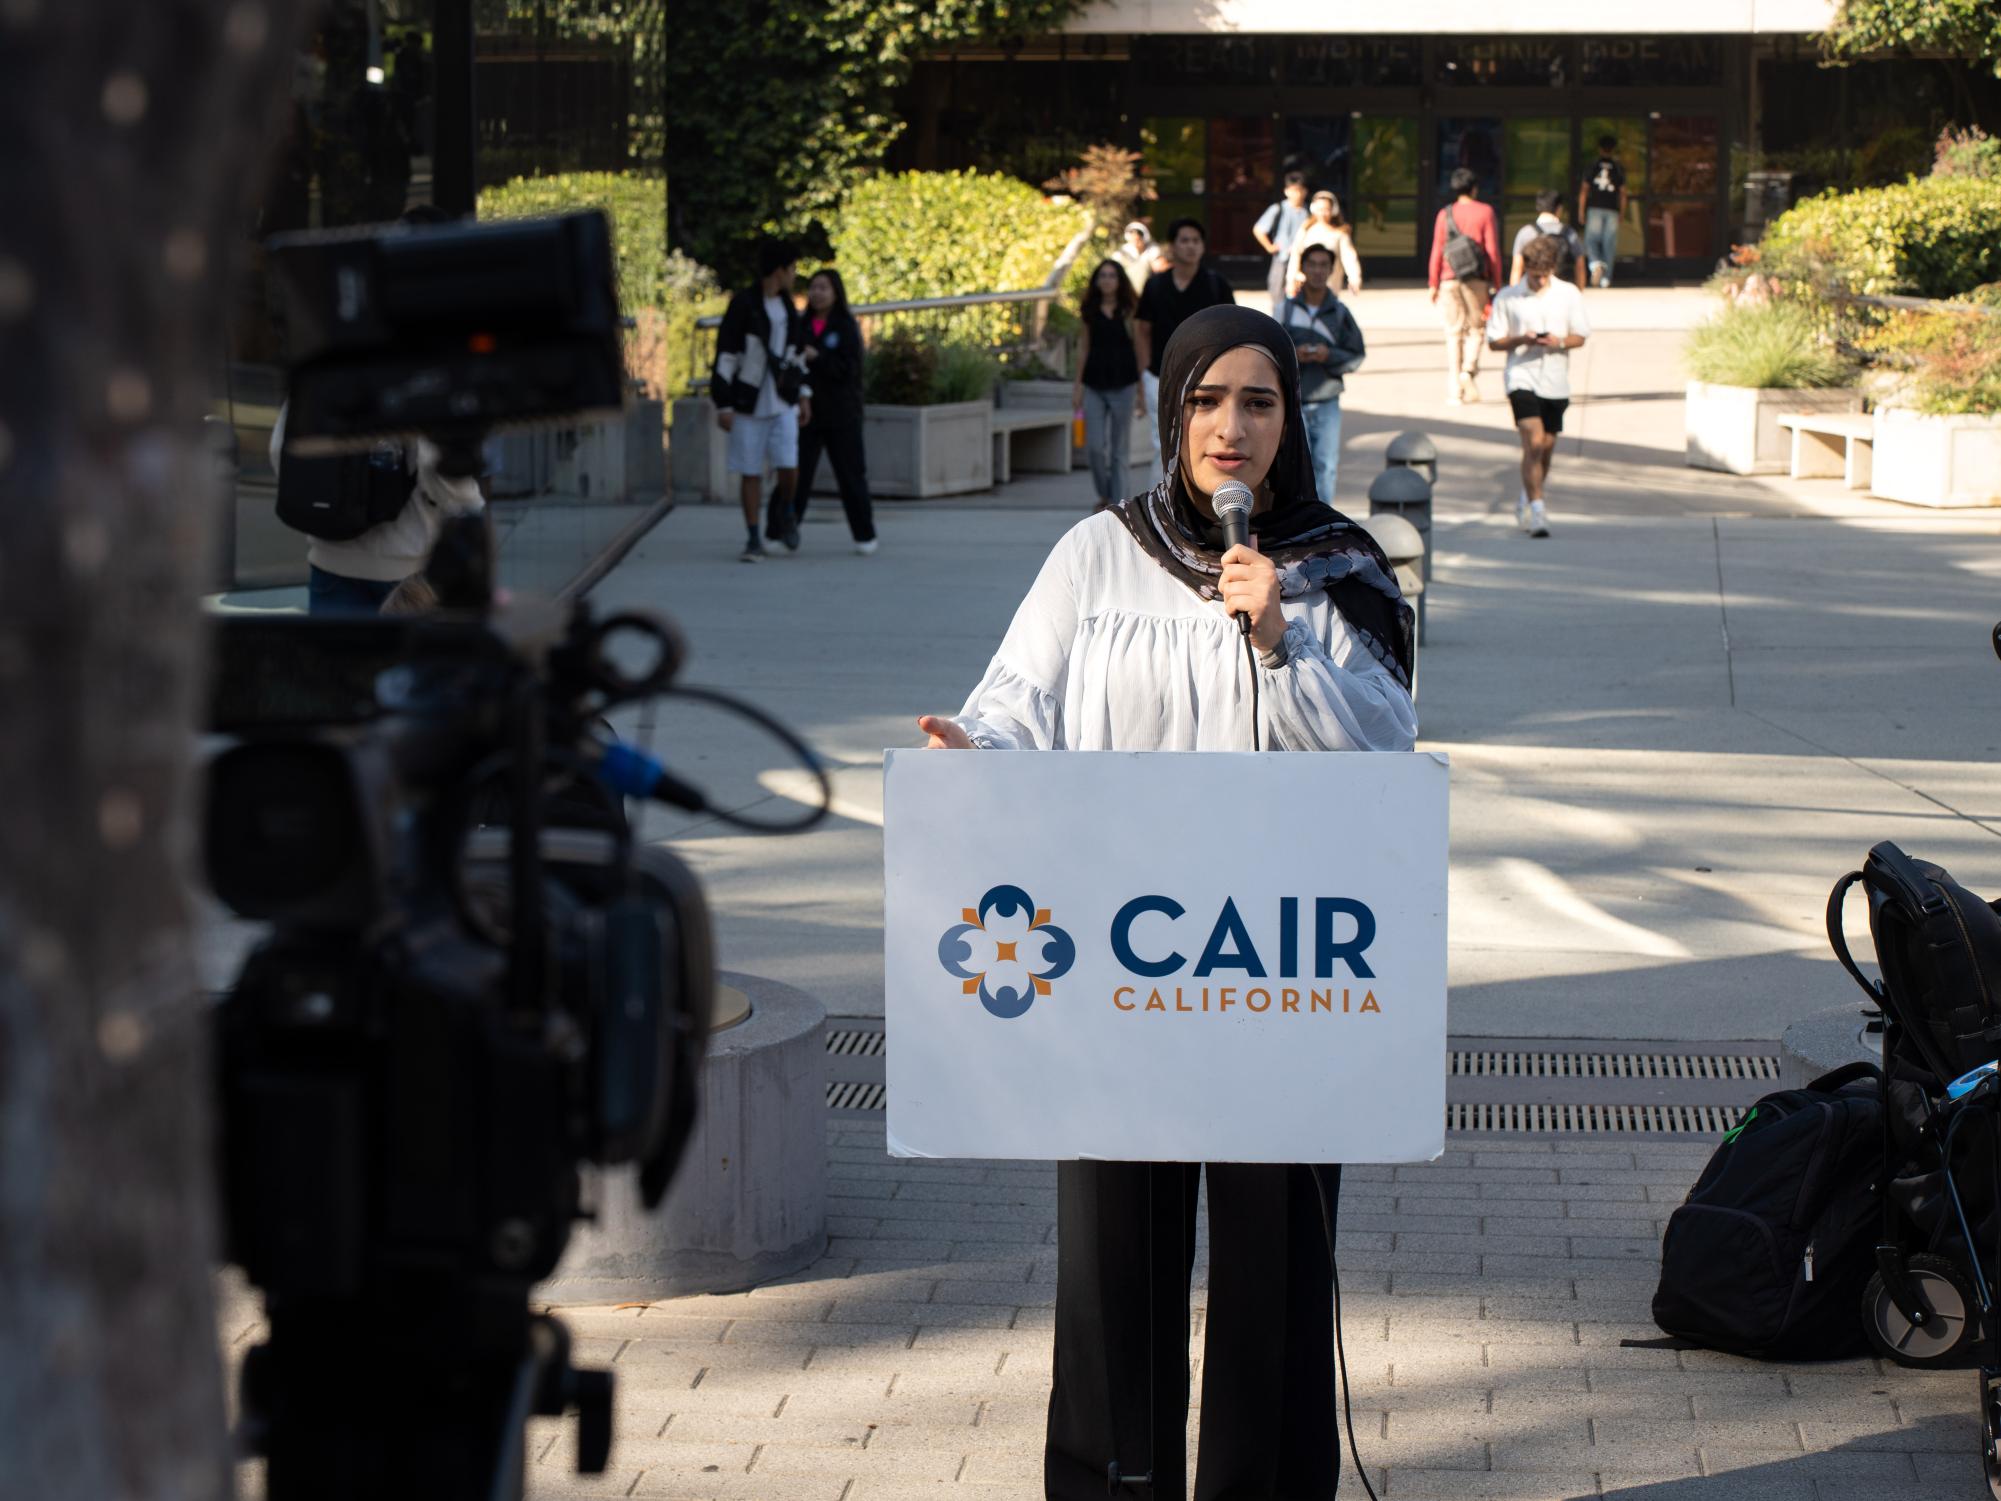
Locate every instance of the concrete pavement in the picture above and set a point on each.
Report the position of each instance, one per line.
(1673, 724)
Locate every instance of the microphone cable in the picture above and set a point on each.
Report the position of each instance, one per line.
(1326, 1200)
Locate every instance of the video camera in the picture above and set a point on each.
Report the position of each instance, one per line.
(473, 982)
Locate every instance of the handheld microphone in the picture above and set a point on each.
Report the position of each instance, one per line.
(1232, 503)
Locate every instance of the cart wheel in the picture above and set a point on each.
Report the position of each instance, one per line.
(1942, 1285)
(1990, 1429)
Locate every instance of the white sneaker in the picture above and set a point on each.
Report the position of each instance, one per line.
(866, 549)
(1538, 520)
(1522, 509)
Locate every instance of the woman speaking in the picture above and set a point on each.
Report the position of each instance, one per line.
(1126, 642)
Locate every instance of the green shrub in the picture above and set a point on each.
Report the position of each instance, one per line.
(900, 369)
(1966, 153)
(1773, 346)
(636, 204)
(938, 234)
(660, 289)
(1931, 237)
(965, 372)
(1941, 363)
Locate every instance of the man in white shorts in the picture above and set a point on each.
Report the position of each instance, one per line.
(762, 396)
(1537, 322)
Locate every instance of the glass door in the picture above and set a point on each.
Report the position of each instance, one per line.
(1383, 209)
(1681, 213)
(1175, 150)
(1242, 182)
(1535, 155)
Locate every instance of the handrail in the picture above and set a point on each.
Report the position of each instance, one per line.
(1897, 302)
(927, 304)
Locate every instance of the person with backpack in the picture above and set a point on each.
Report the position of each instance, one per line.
(1276, 229)
(1329, 345)
(1601, 204)
(1106, 390)
(833, 352)
(1549, 221)
(372, 518)
(1465, 263)
(762, 394)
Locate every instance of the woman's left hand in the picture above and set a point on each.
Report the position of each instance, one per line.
(1250, 587)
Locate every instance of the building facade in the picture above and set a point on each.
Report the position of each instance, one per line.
(1382, 103)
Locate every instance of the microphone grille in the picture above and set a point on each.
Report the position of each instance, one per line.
(1232, 495)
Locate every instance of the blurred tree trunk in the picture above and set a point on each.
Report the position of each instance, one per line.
(134, 133)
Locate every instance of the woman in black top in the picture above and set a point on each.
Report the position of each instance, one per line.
(1107, 386)
(834, 355)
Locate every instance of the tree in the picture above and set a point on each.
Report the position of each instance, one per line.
(774, 106)
(1967, 29)
(133, 134)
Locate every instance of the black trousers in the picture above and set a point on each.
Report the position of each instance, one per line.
(1269, 1429)
(843, 447)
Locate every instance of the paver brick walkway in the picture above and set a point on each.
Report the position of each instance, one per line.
(1485, 1296)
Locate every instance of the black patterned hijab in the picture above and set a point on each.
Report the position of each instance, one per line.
(1312, 545)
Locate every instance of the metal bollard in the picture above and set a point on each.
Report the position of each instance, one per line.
(1403, 492)
(1402, 545)
(1413, 450)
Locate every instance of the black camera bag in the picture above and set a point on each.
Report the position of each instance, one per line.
(336, 499)
(1769, 1254)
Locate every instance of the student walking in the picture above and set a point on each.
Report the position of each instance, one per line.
(1325, 226)
(1537, 322)
(1171, 298)
(1107, 386)
(1329, 344)
(762, 395)
(1140, 255)
(833, 352)
(1549, 221)
(1601, 204)
(1276, 229)
(1465, 259)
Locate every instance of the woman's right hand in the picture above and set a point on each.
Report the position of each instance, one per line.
(946, 734)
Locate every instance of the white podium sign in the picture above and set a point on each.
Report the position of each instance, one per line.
(1085, 959)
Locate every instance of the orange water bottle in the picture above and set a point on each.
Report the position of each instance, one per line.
(1077, 429)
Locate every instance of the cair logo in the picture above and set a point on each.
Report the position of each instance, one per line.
(1006, 951)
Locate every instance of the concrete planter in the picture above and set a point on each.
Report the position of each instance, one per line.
(645, 449)
(918, 452)
(698, 455)
(1937, 461)
(1736, 428)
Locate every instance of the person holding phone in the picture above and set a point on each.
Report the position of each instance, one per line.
(1537, 322)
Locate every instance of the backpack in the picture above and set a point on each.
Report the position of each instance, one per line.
(1770, 1252)
(1939, 947)
(337, 499)
(1463, 256)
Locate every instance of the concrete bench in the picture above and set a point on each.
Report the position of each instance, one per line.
(1826, 444)
(1033, 440)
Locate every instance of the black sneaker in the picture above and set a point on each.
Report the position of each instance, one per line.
(791, 538)
(753, 552)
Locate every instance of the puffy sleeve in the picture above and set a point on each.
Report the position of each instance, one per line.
(1332, 693)
(1351, 260)
(1018, 705)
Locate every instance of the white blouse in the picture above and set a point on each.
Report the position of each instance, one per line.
(1111, 652)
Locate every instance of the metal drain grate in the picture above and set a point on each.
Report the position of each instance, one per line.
(1544, 1086)
(1483, 1064)
(847, 1094)
(848, 1044)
